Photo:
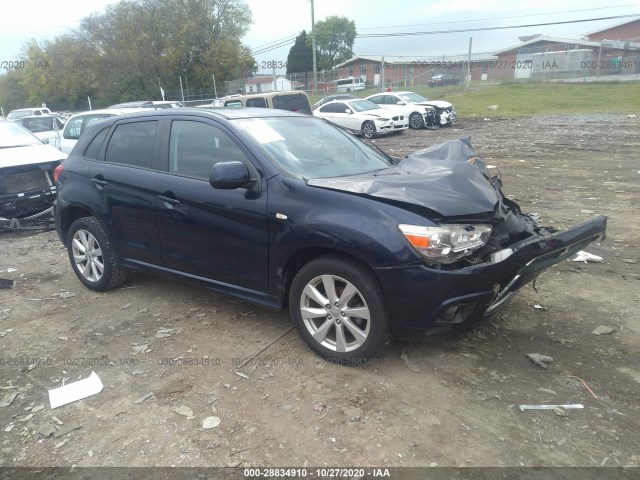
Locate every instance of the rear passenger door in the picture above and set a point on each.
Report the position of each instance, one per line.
(212, 233)
(125, 176)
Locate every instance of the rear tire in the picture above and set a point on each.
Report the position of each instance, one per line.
(91, 257)
(338, 308)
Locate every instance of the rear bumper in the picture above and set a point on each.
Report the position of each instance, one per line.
(424, 301)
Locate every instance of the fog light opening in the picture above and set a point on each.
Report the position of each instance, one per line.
(456, 314)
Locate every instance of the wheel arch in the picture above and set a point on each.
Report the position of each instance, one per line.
(71, 214)
(302, 257)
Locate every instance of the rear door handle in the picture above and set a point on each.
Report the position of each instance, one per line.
(99, 182)
(169, 200)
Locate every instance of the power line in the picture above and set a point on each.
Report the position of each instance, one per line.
(480, 29)
(462, 30)
(498, 18)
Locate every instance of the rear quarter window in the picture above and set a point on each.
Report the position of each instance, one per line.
(93, 149)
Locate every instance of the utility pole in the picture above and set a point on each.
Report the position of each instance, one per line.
(181, 91)
(313, 46)
(215, 90)
(468, 72)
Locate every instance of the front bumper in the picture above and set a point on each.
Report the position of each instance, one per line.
(423, 300)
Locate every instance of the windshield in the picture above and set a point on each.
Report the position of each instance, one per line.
(38, 124)
(76, 125)
(411, 97)
(13, 135)
(362, 105)
(307, 147)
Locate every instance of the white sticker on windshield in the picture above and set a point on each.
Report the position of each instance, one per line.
(262, 131)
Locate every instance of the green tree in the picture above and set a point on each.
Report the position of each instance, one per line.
(300, 58)
(334, 41)
(12, 93)
(134, 46)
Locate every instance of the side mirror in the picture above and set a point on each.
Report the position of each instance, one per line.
(45, 140)
(229, 175)
(400, 102)
(348, 110)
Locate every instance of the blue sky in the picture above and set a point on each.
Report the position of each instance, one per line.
(276, 20)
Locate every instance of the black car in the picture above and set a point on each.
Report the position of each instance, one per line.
(331, 98)
(442, 80)
(284, 209)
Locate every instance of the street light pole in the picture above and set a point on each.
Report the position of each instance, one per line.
(313, 46)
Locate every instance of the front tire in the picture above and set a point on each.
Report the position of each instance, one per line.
(91, 257)
(415, 121)
(369, 130)
(338, 308)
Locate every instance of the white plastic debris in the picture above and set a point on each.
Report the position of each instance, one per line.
(210, 422)
(585, 257)
(75, 391)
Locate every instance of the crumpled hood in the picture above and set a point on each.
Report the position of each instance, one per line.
(441, 178)
(32, 154)
(436, 103)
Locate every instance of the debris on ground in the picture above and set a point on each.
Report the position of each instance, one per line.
(144, 397)
(185, 411)
(6, 283)
(586, 257)
(410, 364)
(75, 391)
(8, 399)
(539, 307)
(210, 422)
(164, 332)
(540, 360)
(603, 329)
(566, 406)
(585, 386)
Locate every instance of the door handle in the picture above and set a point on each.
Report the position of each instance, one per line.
(169, 200)
(99, 182)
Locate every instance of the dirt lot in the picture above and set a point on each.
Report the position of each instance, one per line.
(454, 404)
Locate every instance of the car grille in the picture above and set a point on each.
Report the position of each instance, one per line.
(398, 118)
(24, 182)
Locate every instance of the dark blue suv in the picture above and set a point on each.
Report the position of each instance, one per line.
(283, 209)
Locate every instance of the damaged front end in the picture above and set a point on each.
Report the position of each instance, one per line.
(27, 193)
(476, 246)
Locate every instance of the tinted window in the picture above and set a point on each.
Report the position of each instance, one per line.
(132, 144)
(295, 103)
(256, 102)
(378, 100)
(334, 108)
(194, 147)
(94, 147)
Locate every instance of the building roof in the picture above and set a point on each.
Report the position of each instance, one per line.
(543, 38)
(585, 35)
(402, 59)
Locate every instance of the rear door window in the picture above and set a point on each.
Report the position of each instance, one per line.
(132, 144)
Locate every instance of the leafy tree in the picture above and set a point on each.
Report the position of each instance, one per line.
(133, 47)
(334, 41)
(12, 93)
(300, 58)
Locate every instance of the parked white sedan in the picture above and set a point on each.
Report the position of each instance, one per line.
(445, 114)
(363, 116)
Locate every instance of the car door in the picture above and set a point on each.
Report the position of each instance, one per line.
(125, 177)
(336, 113)
(217, 234)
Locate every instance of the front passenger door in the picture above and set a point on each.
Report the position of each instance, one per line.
(216, 234)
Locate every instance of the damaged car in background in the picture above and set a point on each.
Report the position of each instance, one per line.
(443, 112)
(27, 189)
(288, 210)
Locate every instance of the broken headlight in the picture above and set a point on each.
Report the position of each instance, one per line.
(446, 243)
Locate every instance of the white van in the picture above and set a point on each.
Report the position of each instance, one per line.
(349, 84)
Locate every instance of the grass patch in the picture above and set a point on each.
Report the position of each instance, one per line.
(533, 98)
(522, 99)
